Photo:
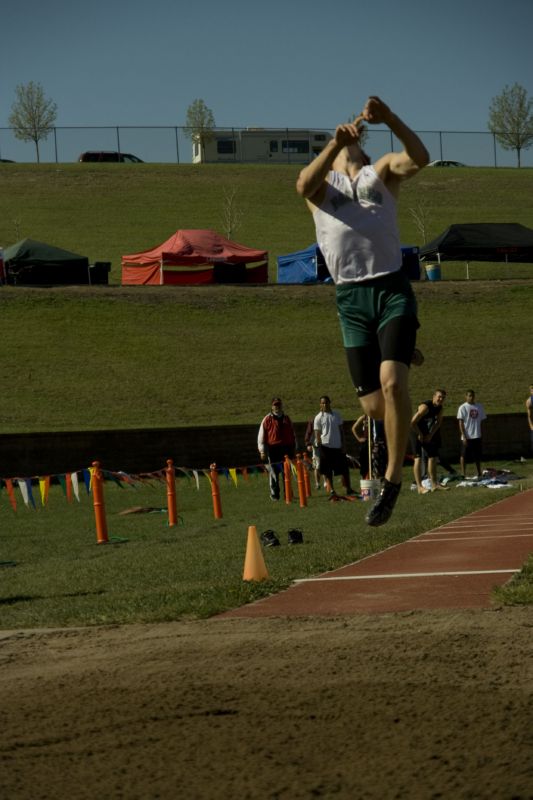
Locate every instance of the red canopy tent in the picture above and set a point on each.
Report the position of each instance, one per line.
(196, 256)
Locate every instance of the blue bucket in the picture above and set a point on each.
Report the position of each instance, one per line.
(433, 272)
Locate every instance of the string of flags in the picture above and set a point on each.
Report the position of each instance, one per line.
(73, 483)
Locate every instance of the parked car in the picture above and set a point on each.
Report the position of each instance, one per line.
(110, 156)
(446, 164)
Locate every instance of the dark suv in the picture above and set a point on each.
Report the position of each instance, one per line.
(110, 155)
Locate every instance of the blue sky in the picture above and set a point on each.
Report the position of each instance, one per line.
(294, 63)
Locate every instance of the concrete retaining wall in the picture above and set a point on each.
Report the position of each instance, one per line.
(146, 450)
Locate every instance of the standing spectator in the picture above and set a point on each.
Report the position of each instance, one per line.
(360, 431)
(329, 436)
(275, 440)
(426, 424)
(529, 409)
(377, 466)
(312, 449)
(354, 207)
(470, 416)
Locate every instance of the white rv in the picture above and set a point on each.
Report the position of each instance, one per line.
(261, 146)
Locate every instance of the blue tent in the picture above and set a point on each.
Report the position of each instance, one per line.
(308, 266)
(305, 266)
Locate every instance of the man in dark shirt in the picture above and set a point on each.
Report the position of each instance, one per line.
(426, 424)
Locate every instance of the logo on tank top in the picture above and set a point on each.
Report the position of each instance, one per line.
(370, 194)
(339, 199)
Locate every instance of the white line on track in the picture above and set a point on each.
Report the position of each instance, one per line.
(471, 520)
(440, 537)
(409, 575)
(483, 523)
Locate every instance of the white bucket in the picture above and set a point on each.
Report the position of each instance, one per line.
(370, 489)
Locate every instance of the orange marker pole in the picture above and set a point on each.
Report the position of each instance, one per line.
(171, 493)
(99, 505)
(307, 467)
(287, 480)
(215, 491)
(301, 483)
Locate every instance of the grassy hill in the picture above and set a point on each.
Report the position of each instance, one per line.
(107, 210)
(75, 358)
(153, 356)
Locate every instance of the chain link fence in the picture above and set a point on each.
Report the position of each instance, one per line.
(171, 145)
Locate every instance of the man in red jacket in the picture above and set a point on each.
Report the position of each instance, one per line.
(275, 440)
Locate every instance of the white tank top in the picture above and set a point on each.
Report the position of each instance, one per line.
(356, 227)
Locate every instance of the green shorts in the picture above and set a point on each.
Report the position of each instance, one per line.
(365, 307)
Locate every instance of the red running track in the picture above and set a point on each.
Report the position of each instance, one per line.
(455, 566)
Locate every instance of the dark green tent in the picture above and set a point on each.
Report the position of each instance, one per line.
(31, 263)
(482, 241)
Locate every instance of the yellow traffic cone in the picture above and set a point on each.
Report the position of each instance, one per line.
(254, 563)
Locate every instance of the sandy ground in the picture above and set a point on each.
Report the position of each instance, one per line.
(414, 705)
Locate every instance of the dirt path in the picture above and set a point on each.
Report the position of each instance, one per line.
(413, 705)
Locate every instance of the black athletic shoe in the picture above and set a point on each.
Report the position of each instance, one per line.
(295, 536)
(269, 538)
(382, 509)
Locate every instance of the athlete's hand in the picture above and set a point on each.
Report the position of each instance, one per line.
(376, 111)
(348, 133)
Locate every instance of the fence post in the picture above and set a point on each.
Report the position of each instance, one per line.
(215, 491)
(99, 505)
(171, 493)
(177, 144)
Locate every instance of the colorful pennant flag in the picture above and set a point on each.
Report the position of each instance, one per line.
(23, 490)
(75, 485)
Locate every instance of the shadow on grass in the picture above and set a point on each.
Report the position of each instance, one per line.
(22, 598)
(11, 601)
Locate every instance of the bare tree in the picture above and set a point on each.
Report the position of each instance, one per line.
(422, 217)
(231, 212)
(32, 115)
(511, 119)
(200, 123)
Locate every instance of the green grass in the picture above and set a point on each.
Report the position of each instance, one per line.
(62, 577)
(101, 357)
(105, 211)
(154, 357)
(519, 590)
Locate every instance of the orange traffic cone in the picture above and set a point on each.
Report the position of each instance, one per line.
(254, 563)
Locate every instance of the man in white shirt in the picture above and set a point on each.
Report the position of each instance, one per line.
(470, 416)
(329, 438)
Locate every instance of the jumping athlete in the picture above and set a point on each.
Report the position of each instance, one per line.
(354, 209)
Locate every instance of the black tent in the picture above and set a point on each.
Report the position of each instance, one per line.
(482, 241)
(31, 263)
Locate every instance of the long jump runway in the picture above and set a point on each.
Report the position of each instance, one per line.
(455, 566)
